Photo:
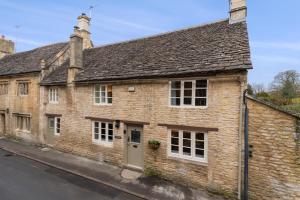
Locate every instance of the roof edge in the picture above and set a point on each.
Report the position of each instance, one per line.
(160, 34)
(275, 107)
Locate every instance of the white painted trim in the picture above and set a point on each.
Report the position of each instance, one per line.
(98, 141)
(106, 96)
(180, 154)
(53, 96)
(55, 126)
(182, 81)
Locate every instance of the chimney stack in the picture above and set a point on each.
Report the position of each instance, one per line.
(76, 52)
(7, 47)
(84, 30)
(238, 11)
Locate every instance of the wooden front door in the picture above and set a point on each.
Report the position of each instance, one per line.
(135, 147)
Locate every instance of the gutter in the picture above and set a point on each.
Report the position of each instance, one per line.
(246, 147)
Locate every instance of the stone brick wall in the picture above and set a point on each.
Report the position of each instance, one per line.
(6, 47)
(150, 103)
(11, 103)
(274, 169)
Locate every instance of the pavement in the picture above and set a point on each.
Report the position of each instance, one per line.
(47, 173)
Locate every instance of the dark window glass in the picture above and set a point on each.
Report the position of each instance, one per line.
(186, 143)
(199, 145)
(200, 92)
(174, 149)
(102, 137)
(187, 101)
(135, 136)
(200, 102)
(188, 85)
(175, 134)
(103, 125)
(186, 135)
(201, 83)
(96, 136)
(110, 126)
(175, 101)
(175, 93)
(199, 153)
(186, 151)
(175, 84)
(188, 93)
(199, 136)
(175, 141)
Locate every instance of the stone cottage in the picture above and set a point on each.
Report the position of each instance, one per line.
(183, 89)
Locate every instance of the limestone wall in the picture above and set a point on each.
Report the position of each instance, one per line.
(274, 169)
(150, 103)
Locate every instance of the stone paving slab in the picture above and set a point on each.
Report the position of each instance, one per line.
(143, 187)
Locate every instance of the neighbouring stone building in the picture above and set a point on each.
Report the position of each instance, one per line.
(7, 47)
(274, 138)
(183, 89)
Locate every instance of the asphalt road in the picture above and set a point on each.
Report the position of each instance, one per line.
(24, 179)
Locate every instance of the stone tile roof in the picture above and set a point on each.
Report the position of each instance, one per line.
(215, 47)
(210, 48)
(58, 76)
(275, 107)
(29, 61)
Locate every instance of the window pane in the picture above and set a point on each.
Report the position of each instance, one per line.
(109, 100)
(175, 84)
(97, 94)
(187, 101)
(186, 143)
(175, 101)
(51, 122)
(97, 88)
(109, 91)
(110, 126)
(175, 93)
(200, 101)
(186, 135)
(110, 135)
(199, 145)
(201, 83)
(188, 85)
(186, 151)
(135, 136)
(175, 141)
(102, 136)
(174, 149)
(201, 92)
(175, 134)
(103, 125)
(199, 153)
(188, 93)
(97, 100)
(199, 136)
(96, 136)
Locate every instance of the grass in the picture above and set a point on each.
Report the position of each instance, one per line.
(294, 107)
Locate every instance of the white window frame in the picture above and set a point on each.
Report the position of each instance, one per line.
(53, 95)
(3, 88)
(180, 153)
(100, 97)
(57, 131)
(99, 141)
(182, 105)
(24, 121)
(19, 89)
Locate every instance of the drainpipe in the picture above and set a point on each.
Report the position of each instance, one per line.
(246, 143)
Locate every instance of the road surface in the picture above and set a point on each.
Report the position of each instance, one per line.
(24, 179)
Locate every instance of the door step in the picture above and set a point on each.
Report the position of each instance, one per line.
(131, 175)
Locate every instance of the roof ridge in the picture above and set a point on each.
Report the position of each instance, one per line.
(48, 45)
(159, 34)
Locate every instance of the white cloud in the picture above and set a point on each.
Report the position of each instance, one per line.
(277, 45)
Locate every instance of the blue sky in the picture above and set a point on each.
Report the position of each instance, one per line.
(274, 28)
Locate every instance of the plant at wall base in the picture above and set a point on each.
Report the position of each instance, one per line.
(154, 144)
